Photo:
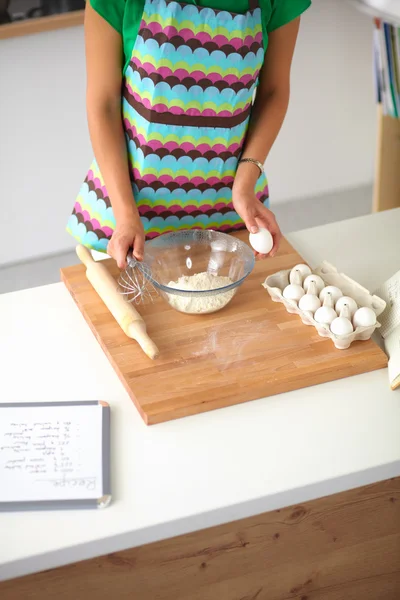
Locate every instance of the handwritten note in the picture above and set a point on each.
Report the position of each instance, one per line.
(390, 292)
(50, 453)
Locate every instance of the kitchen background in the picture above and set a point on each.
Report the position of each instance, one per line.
(19, 10)
(321, 168)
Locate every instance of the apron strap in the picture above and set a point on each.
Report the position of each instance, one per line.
(253, 4)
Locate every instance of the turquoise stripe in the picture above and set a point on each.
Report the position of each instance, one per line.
(187, 222)
(84, 237)
(162, 92)
(178, 166)
(233, 62)
(195, 196)
(187, 12)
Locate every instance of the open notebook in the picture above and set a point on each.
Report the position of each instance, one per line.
(54, 455)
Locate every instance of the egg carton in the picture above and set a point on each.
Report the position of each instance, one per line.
(275, 284)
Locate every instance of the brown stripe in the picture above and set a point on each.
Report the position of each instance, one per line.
(179, 152)
(156, 185)
(98, 192)
(146, 211)
(194, 43)
(170, 186)
(92, 187)
(187, 187)
(168, 118)
(189, 82)
(89, 227)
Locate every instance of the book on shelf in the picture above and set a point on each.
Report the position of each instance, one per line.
(386, 47)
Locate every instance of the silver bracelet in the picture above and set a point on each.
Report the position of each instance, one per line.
(254, 162)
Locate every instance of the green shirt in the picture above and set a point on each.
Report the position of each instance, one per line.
(125, 15)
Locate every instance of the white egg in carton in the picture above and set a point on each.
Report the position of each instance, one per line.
(347, 297)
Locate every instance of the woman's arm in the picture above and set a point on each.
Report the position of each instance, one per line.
(104, 80)
(267, 117)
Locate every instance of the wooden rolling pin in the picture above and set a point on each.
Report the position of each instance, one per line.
(124, 313)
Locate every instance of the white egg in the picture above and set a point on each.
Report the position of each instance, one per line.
(309, 302)
(325, 315)
(293, 292)
(262, 241)
(341, 326)
(334, 292)
(302, 270)
(319, 282)
(346, 301)
(364, 317)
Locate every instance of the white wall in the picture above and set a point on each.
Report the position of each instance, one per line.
(44, 144)
(327, 141)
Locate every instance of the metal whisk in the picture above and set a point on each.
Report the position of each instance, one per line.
(135, 282)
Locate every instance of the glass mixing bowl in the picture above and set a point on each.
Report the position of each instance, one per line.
(220, 262)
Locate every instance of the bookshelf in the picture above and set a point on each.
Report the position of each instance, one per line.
(387, 163)
(39, 24)
(387, 160)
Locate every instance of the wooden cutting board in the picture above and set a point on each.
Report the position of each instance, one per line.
(251, 349)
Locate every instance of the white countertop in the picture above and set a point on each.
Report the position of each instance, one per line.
(209, 469)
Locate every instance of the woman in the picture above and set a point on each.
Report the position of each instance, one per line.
(187, 149)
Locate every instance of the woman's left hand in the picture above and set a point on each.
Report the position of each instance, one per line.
(256, 215)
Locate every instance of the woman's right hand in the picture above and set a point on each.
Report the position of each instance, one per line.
(128, 236)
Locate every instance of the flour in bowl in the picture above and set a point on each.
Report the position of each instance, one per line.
(201, 304)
